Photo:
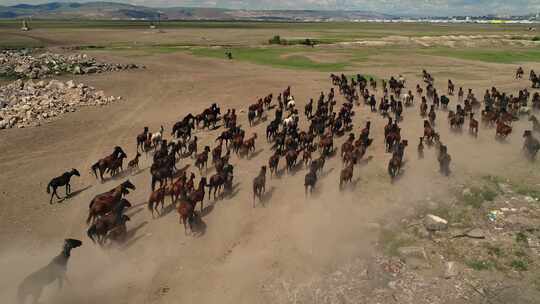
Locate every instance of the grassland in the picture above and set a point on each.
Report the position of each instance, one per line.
(488, 55)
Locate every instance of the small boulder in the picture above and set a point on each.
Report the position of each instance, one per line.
(450, 270)
(412, 252)
(435, 223)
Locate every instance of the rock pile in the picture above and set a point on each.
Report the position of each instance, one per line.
(22, 64)
(29, 103)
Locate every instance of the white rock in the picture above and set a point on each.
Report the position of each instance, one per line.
(435, 223)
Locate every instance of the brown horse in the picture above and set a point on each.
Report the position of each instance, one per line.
(473, 125)
(346, 175)
(503, 130)
(197, 195)
(99, 231)
(156, 197)
(141, 139)
(273, 163)
(106, 162)
(201, 159)
(259, 185)
(134, 163)
(248, 145)
(309, 181)
(394, 166)
(186, 213)
(178, 188)
(104, 202)
(216, 182)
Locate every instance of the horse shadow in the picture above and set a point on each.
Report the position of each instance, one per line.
(132, 213)
(207, 210)
(198, 227)
(267, 196)
(73, 194)
(130, 235)
(365, 161)
(233, 192)
(292, 171)
(279, 173)
(254, 154)
(168, 209)
(324, 174)
(138, 171)
(351, 186)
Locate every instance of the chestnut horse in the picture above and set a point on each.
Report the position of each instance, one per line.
(107, 162)
(104, 202)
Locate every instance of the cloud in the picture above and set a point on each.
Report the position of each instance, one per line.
(396, 7)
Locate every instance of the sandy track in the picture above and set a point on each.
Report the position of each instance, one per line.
(242, 247)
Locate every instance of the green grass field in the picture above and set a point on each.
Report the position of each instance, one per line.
(488, 55)
(276, 57)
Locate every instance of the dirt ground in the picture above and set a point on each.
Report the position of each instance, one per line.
(240, 248)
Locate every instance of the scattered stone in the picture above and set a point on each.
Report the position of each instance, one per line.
(22, 64)
(27, 103)
(476, 233)
(450, 270)
(435, 223)
(412, 252)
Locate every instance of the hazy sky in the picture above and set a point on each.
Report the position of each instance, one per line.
(397, 7)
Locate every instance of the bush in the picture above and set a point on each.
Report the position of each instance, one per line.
(519, 265)
(536, 38)
(275, 40)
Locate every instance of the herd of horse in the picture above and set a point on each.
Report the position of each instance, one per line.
(295, 145)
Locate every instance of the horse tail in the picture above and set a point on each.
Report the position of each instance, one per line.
(49, 187)
(95, 167)
(91, 232)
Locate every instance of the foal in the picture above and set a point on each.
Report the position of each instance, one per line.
(62, 180)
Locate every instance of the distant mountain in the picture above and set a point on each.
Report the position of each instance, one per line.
(121, 11)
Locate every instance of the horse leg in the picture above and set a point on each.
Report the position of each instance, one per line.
(52, 195)
(56, 193)
(68, 190)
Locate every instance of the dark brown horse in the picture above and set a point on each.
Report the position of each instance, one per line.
(106, 163)
(201, 159)
(105, 202)
(259, 185)
(62, 180)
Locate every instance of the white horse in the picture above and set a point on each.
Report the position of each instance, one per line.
(406, 98)
(290, 121)
(291, 104)
(157, 137)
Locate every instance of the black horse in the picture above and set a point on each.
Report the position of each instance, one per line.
(62, 180)
(182, 129)
(34, 283)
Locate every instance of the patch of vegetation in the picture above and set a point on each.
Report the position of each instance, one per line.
(519, 265)
(391, 241)
(526, 190)
(480, 265)
(536, 38)
(521, 238)
(282, 58)
(477, 196)
(506, 56)
(494, 251)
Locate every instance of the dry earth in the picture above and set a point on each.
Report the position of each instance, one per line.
(241, 249)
